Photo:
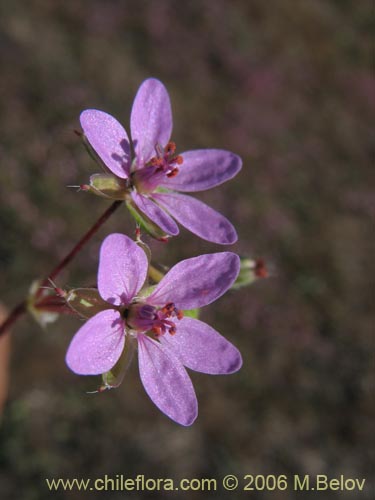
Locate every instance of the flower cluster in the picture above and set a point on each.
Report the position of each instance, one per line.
(131, 310)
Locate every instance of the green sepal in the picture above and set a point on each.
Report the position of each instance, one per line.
(192, 313)
(115, 376)
(108, 186)
(144, 222)
(86, 301)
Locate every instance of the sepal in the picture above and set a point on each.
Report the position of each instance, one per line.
(86, 302)
(115, 376)
(107, 186)
(145, 223)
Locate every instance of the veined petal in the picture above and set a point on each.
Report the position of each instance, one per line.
(203, 169)
(166, 381)
(150, 120)
(203, 349)
(109, 139)
(198, 217)
(97, 345)
(155, 213)
(198, 281)
(122, 269)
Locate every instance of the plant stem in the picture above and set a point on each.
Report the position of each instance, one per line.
(18, 311)
(21, 308)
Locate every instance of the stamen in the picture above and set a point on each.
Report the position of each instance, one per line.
(173, 173)
(179, 160)
(170, 148)
(159, 150)
(156, 162)
(145, 317)
(157, 330)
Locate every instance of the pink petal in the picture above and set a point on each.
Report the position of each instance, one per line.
(151, 119)
(109, 139)
(122, 269)
(156, 214)
(166, 381)
(198, 217)
(203, 169)
(203, 349)
(198, 281)
(97, 345)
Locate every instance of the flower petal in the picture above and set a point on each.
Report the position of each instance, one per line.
(203, 169)
(166, 381)
(203, 349)
(109, 139)
(156, 214)
(97, 345)
(198, 217)
(198, 281)
(150, 120)
(122, 269)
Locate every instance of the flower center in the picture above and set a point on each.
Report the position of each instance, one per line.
(164, 163)
(145, 317)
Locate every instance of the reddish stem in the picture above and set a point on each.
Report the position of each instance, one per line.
(13, 316)
(22, 306)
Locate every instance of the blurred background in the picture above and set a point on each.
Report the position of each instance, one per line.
(289, 87)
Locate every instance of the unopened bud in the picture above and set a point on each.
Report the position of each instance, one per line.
(44, 305)
(250, 271)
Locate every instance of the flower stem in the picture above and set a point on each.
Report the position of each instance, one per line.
(21, 308)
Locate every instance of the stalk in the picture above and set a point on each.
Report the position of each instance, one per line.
(21, 308)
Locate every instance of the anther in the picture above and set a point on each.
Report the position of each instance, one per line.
(156, 162)
(157, 330)
(170, 148)
(173, 173)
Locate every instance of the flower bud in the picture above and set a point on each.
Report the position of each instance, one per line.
(250, 271)
(44, 305)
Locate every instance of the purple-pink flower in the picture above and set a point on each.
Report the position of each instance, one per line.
(167, 341)
(156, 175)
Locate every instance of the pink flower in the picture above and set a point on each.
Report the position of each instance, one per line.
(157, 175)
(167, 341)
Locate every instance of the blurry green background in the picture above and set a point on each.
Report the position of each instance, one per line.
(288, 86)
